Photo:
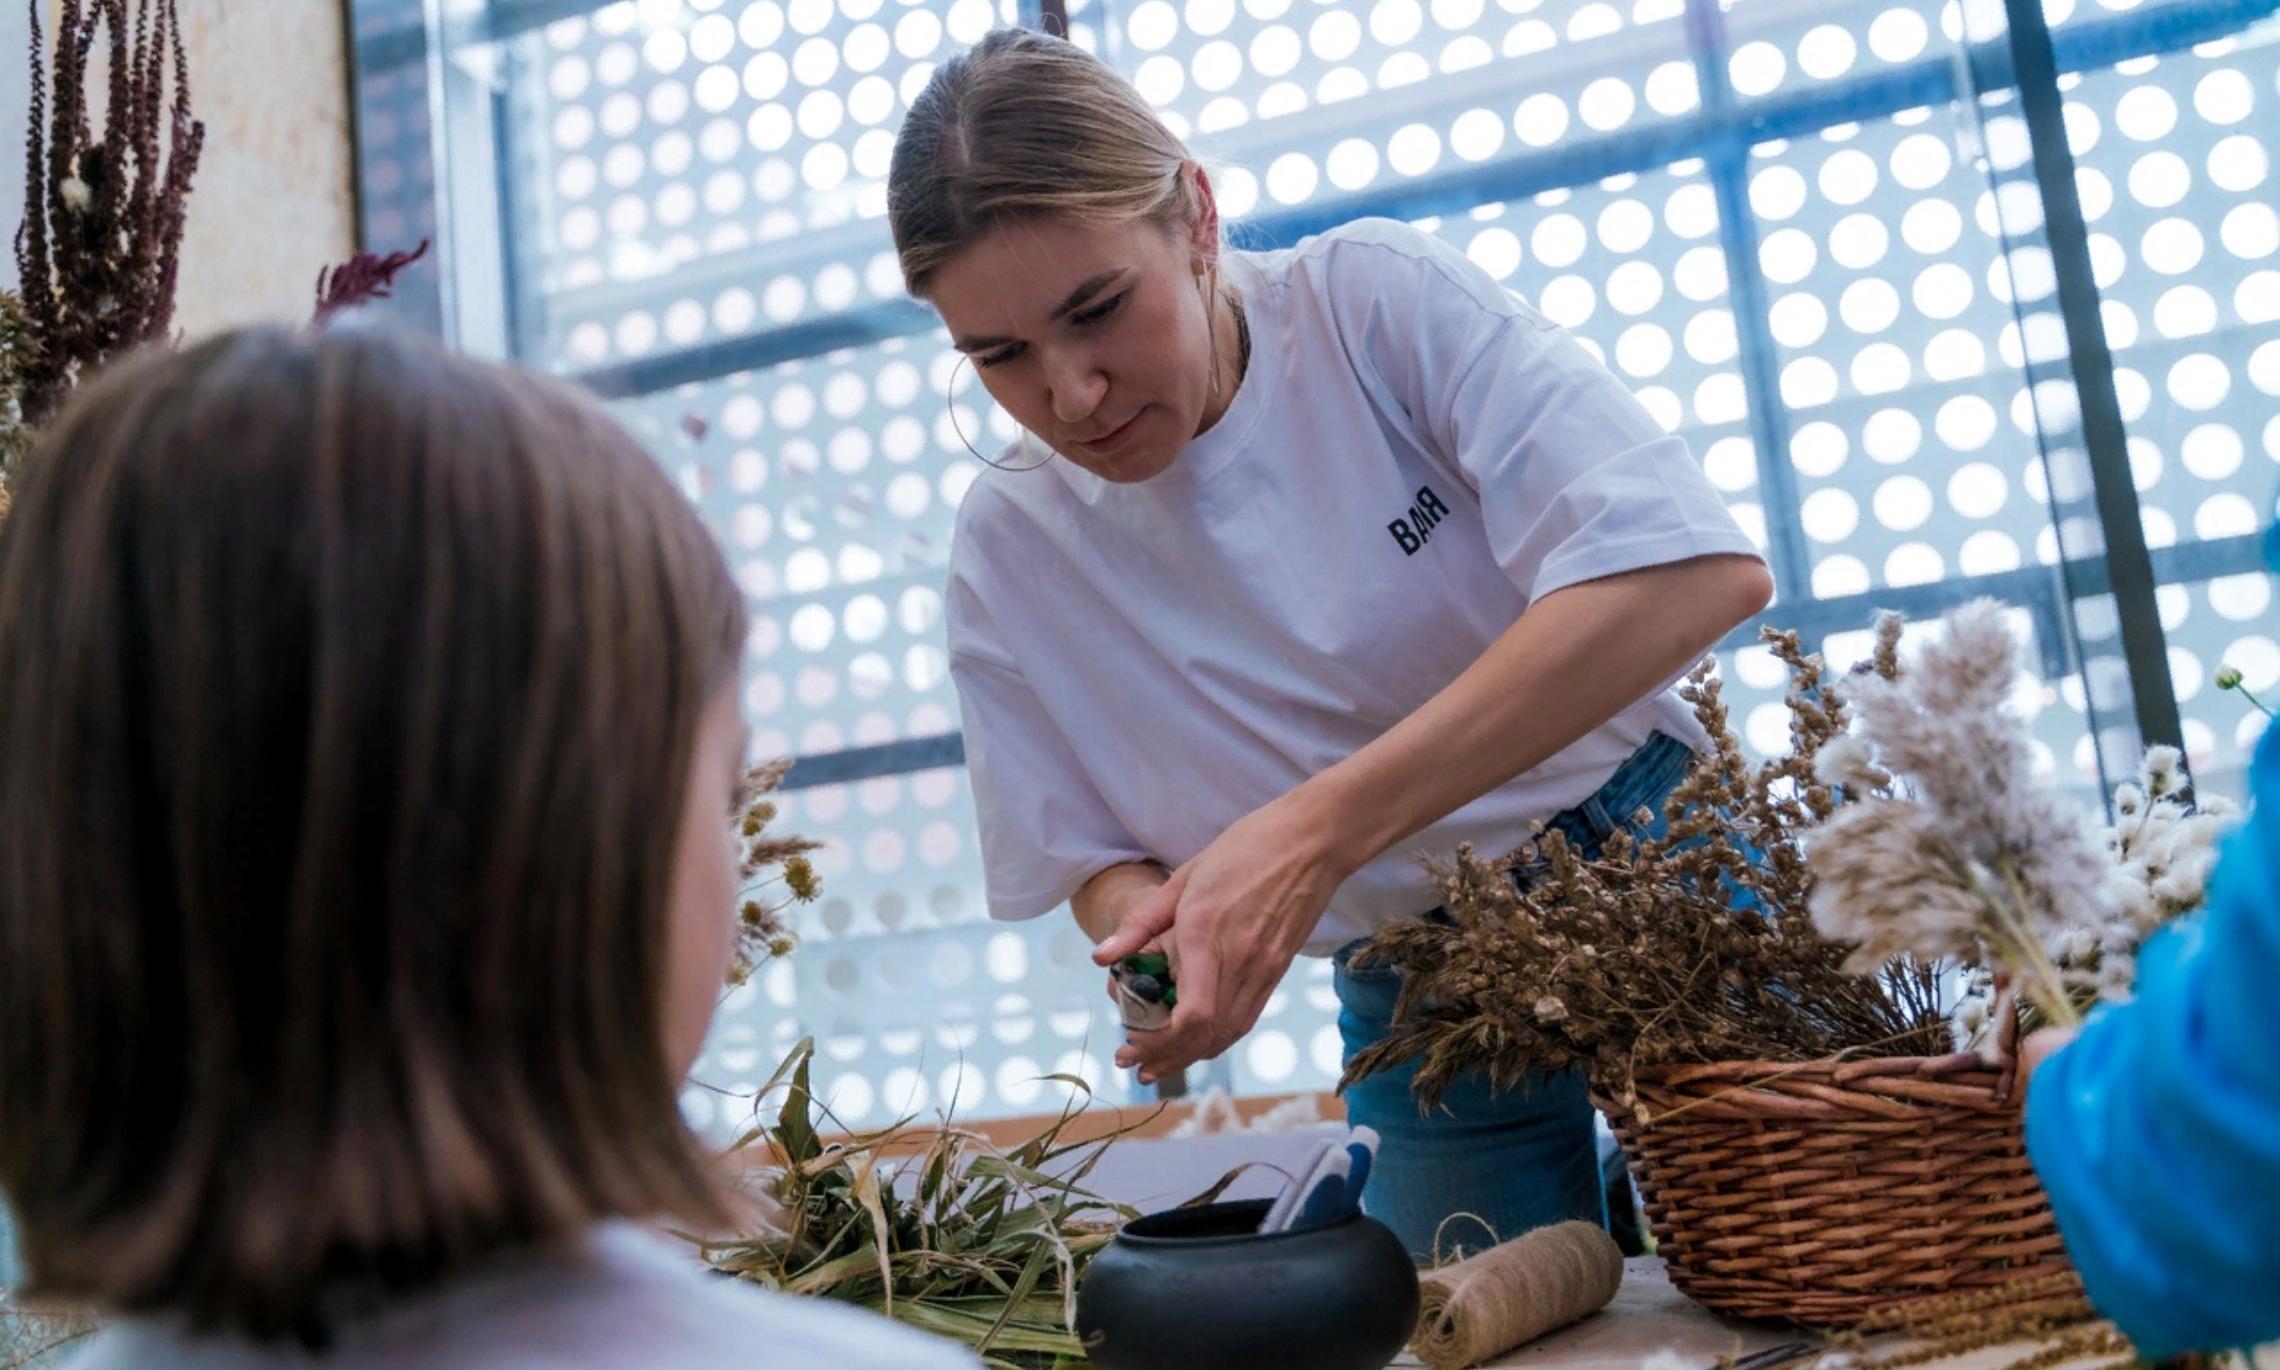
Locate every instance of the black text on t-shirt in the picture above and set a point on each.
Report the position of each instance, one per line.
(1416, 529)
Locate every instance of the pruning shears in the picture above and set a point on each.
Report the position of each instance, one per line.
(1145, 990)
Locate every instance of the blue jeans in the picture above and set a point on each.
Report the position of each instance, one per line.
(1510, 1160)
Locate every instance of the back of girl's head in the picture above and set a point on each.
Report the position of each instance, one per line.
(1026, 125)
(347, 691)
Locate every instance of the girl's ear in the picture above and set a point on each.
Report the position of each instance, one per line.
(1203, 226)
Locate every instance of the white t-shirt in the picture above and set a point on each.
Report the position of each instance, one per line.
(1414, 455)
(629, 1299)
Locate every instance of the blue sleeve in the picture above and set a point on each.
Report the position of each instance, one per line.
(2157, 1133)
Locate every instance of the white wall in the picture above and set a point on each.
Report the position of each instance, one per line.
(15, 99)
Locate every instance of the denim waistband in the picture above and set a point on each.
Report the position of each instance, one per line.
(1643, 781)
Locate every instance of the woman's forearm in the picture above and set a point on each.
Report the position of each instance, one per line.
(1101, 902)
(1573, 660)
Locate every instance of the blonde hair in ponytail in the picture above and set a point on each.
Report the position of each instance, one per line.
(1028, 125)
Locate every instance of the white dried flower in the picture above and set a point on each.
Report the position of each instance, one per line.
(1978, 856)
(2117, 975)
(2133, 906)
(1891, 884)
(1849, 762)
(1550, 1010)
(2186, 884)
(2075, 944)
(2161, 772)
(1946, 727)
(2163, 852)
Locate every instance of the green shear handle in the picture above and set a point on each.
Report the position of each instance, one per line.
(1145, 990)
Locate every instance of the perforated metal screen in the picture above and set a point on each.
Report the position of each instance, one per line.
(1800, 230)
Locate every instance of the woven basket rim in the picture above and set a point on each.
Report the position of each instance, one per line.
(1888, 1087)
(1836, 1069)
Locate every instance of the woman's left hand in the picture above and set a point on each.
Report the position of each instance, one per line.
(1232, 919)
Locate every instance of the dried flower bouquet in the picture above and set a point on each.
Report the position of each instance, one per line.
(1698, 946)
(1958, 850)
(1952, 849)
(1756, 995)
(1904, 846)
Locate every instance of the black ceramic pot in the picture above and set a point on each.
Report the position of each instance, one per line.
(1200, 1289)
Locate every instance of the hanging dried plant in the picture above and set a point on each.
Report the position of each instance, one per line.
(1698, 946)
(103, 213)
(19, 348)
(365, 277)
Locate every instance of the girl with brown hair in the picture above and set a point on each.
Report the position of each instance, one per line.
(366, 873)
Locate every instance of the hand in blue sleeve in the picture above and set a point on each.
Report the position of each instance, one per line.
(2157, 1132)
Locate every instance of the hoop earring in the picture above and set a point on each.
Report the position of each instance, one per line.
(950, 403)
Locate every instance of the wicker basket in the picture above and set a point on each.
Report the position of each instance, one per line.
(1821, 1193)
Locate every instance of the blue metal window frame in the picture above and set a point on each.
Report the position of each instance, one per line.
(2027, 63)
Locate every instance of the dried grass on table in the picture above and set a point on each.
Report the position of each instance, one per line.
(2030, 1324)
(967, 1241)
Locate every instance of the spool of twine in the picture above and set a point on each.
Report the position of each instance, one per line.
(1487, 1304)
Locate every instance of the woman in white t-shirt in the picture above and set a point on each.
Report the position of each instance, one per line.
(1308, 561)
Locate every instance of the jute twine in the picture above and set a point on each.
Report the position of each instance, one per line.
(1487, 1304)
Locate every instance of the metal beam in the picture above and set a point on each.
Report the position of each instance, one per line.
(1727, 167)
(860, 327)
(869, 763)
(2104, 435)
(2187, 563)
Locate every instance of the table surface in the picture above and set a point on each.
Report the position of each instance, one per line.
(1649, 1316)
